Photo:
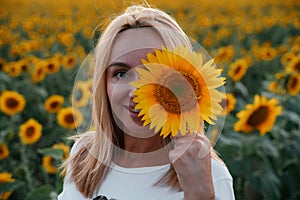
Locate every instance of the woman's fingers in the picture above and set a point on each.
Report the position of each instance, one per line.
(194, 145)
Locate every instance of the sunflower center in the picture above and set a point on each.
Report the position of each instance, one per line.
(238, 69)
(54, 105)
(30, 131)
(177, 91)
(70, 61)
(69, 118)
(39, 72)
(24, 68)
(297, 67)
(258, 116)
(11, 103)
(50, 66)
(294, 82)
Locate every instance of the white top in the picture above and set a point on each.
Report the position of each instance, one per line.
(137, 184)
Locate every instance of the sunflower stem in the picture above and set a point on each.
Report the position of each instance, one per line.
(25, 164)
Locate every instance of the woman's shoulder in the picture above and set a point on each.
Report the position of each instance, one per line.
(81, 141)
(219, 170)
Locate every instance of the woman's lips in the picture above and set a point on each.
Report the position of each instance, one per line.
(134, 114)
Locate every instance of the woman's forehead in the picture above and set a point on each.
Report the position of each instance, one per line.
(135, 40)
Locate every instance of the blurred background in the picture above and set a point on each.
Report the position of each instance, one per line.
(256, 43)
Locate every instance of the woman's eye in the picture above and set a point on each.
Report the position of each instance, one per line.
(120, 74)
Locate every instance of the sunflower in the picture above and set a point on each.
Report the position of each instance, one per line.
(224, 54)
(275, 87)
(65, 148)
(69, 61)
(13, 69)
(260, 115)
(267, 53)
(30, 131)
(69, 118)
(48, 165)
(53, 103)
(294, 65)
(228, 103)
(238, 69)
(81, 94)
(40, 70)
(293, 84)
(4, 152)
(52, 66)
(287, 58)
(176, 91)
(24, 65)
(11, 102)
(6, 177)
(67, 39)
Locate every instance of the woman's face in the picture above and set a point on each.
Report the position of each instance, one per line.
(129, 48)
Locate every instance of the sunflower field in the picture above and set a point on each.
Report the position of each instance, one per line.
(256, 43)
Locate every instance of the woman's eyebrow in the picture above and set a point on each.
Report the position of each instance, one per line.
(119, 64)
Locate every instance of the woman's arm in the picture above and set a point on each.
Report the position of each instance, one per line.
(200, 175)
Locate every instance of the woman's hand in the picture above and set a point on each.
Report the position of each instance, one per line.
(191, 159)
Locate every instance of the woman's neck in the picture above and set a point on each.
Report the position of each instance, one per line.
(142, 145)
(142, 152)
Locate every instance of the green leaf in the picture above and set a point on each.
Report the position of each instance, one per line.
(42, 192)
(266, 182)
(55, 153)
(242, 88)
(266, 147)
(292, 116)
(5, 187)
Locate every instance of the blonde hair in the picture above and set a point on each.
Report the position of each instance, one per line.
(89, 164)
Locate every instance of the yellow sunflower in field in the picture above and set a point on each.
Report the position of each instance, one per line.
(81, 94)
(53, 103)
(11, 102)
(238, 69)
(25, 65)
(64, 147)
(13, 69)
(293, 84)
(69, 117)
(4, 152)
(287, 58)
(294, 65)
(6, 177)
(228, 103)
(39, 71)
(69, 61)
(267, 53)
(275, 87)
(52, 66)
(224, 54)
(48, 165)
(30, 131)
(260, 115)
(177, 91)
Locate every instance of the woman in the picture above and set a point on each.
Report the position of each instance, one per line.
(123, 159)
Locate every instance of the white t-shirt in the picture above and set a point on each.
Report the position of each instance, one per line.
(137, 184)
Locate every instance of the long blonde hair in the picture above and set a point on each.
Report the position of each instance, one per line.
(89, 165)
